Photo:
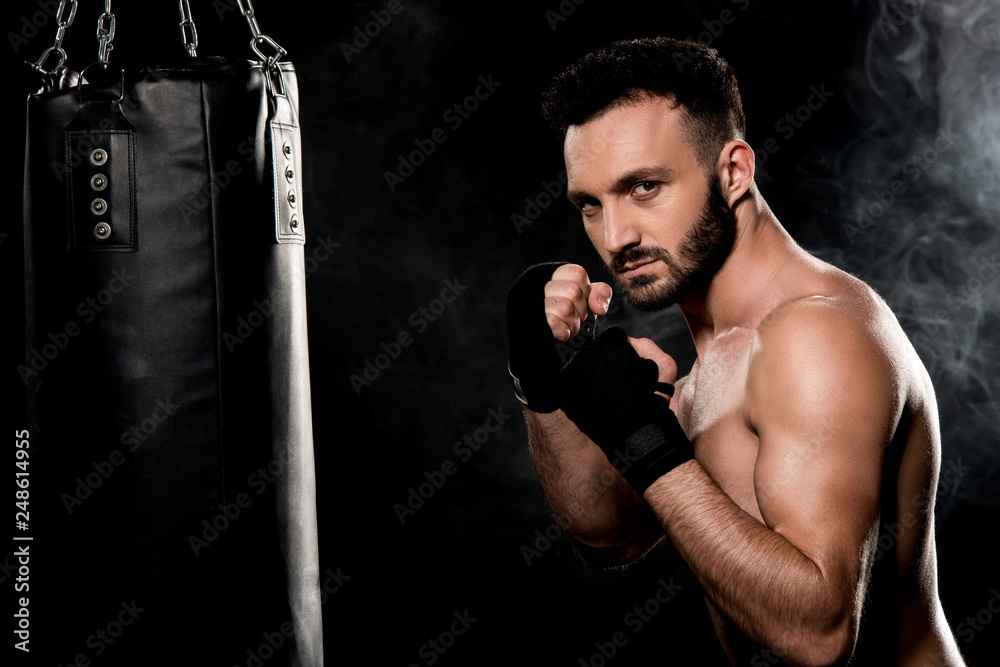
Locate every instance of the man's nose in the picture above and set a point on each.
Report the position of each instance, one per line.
(620, 229)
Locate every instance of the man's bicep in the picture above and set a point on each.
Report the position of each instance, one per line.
(824, 406)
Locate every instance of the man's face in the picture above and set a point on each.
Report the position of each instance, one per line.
(657, 219)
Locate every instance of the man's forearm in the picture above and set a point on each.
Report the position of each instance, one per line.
(758, 579)
(583, 488)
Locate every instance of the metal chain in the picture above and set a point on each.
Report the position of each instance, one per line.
(188, 31)
(105, 33)
(259, 39)
(62, 25)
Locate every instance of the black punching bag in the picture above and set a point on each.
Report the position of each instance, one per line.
(172, 491)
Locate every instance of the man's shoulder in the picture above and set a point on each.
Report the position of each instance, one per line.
(832, 327)
(820, 362)
(828, 306)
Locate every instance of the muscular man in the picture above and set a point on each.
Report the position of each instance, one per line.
(806, 422)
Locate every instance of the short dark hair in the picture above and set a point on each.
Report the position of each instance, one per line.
(691, 74)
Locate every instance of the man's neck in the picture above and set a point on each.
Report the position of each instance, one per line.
(753, 279)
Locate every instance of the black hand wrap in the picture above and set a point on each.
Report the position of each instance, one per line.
(607, 389)
(533, 360)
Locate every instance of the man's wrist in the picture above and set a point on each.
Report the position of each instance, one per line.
(656, 448)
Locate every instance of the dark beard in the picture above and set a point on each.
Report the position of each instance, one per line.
(701, 253)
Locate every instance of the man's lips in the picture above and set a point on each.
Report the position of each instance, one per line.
(635, 269)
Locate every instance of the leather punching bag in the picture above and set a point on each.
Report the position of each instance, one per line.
(172, 478)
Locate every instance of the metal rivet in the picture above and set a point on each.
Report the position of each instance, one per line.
(289, 174)
(102, 230)
(98, 206)
(99, 156)
(294, 223)
(291, 197)
(99, 182)
(286, 149)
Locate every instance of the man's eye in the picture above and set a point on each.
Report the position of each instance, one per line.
(645, 188)
(589, 207)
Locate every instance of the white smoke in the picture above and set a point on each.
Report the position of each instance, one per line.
(920, 211)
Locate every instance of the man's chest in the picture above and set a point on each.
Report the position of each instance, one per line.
(711, 407)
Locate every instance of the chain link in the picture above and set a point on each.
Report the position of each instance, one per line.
(63, 23)
(258, 38)
(105, 33)
(188, 31)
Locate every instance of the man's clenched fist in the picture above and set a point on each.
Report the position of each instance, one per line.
(570, 297)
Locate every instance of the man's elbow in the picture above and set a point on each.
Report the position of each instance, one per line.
(818, 647)
(612, 556)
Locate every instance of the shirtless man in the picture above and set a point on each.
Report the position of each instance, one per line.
(806, 423)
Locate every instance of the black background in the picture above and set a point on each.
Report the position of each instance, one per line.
(464, 549)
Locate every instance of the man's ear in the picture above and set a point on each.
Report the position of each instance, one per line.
(735, 169)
